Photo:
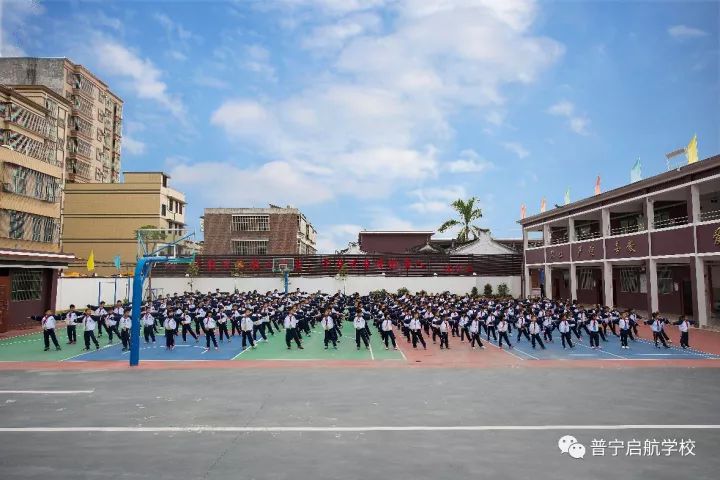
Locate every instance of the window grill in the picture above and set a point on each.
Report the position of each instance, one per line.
(21, 226)
(27, 119)
(26, 285)
(249, 247)
(664, 280)
(586, 279)
(250, 223)
(630, 280)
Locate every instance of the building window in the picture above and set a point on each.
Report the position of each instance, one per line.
(17, 225)
(630, 280)
(665, 280)
(163, 210)
(26, 226)
(26, 285)
(249, 247)
(586, 279)
(250, 223)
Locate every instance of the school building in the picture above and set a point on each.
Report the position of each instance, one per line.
(32, 154)
(104, 218)
(652, 245)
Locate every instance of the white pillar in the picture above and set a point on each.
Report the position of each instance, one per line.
(548, 282)
(653, 287)
(571, 229)
(528, 283)
(695, 199)
(573, 282)
(649, 214)
(605, 222)
(607, 284)
(546, 235)
(525, 239)
(701, 313)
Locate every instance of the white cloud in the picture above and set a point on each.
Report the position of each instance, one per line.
(333, 36)
(257, 60)
(209, 81)
(436, 199)
(174, 30)
(469, 162)
(683, 31)
(177, 55)
(132, 146)
(16, 25)
(578, 123)
(144, 76)
(336, 237)
(517, 149)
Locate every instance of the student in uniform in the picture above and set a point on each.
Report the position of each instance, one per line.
(594, 332)
(125, 325)
(111, 326)
(657, 330)
(209, 324)
(416, 332)
(360, 331)
(170, 326)
(100, 313)
(70, 325)
(48, 325)
(490, 327)
(684, 327)
(148, 323)
(564, 329)
(548, 327)
(247, 326)
(222, 322)
(474, 332)
(290, 324)
(624, 326)
(89, 323)
(522, 328)
(443, 329)
(502, 329)
(328, 325)
(534, 330)
(186, 322)
(387, 333)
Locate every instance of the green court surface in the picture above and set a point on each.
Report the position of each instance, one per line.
(314, 348)
(29, 348)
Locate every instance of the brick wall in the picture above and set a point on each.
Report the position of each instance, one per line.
(282, 237)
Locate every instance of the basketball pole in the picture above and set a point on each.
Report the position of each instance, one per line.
(287, 282)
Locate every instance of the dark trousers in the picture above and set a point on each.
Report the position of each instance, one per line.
(188, 329)
(576, 332)
(475, 337)
(247, 336)
(101, 325)
(454, 329)
(235, 327)
(435, 333)
(197, 327)
(601, 333)
(361, 334)
(210, 335)
(684, 339)
(504, 335)
(48, 335)
(491, 329)
(259, 328)
(71, 333)
(330, 337)
(169, 338)
(464, 334)
(523, 331)
(290, 335)
(222, 328)
(90, 335)
(594, 339)
(268, 325)
(565, 338)
(535, 338)
(659, 336)
(444, 340)
(417, 337)
(110, 331)
(547, 333)
(149, 333)
(388, 337)
(125, 338)
(624, 337)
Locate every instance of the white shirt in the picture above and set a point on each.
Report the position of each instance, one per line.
(328, 323)
(387, 325)
(125, 323)
(502, 326)
(474, 326)
(656, 326)
(290, 321)
(148, 320)
(415, 324)
(534, 328)
(169, 324)
(683, 327)
(624, 324)
(564, 326)
(209, 323)
(593, 326)
(110, 321)
(359, 322)
(444, 326)
(48, 322)
(100, 311)
(246, 324)
(70, 318)
(88, 323)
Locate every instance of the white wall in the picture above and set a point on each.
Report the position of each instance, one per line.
(83, 291)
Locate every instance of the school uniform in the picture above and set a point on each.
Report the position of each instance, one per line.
(290, 324)
(502, 329)
(657, 328)
(222, 322)
(475, 333)
(594, 328)
(387, 333)
(522, 329)
(170, 325)
(443, 328)
(415, 326)
(564, 329)
(111, 327)
(186, 325)
(125, 325)
(247, 327)
(209, 325)
(70, 326)
(328, 325)
(360, 333)
(148, 323)
(534, 330)
(48, 325)
(624, 326)
(89, 324)
(100, 313)
(684, 327)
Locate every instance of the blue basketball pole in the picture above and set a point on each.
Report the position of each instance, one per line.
(143, 265)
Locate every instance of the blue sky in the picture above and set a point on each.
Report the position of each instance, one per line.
(377, 114)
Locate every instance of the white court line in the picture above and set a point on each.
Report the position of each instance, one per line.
(85, 352)
(507, 351)
(605, 351)
(45, 392)
(397, 344)
(372, 357)
(419, 428)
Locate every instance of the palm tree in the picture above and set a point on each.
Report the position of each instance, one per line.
(468, 213)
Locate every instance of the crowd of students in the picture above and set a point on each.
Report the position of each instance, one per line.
(253, 316)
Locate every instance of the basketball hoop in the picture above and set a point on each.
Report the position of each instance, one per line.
(284, 266)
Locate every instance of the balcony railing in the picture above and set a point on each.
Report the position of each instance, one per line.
(627, 229)
(670, 222)
(708, 216)
(559, 240)
(587, 236)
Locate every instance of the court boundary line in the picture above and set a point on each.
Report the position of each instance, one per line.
(44, 392)
(400, 428)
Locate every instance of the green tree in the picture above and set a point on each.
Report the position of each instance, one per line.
(503, 290)
(468, 213)
(487, 291)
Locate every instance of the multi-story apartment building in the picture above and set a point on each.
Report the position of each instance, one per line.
(32, 139)
(258, 231)
(104, 218)
(95, 122)
(652, 245)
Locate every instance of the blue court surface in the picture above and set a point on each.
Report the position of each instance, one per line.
(158, 352)
(641, 349)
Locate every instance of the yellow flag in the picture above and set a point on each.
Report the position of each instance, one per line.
(91, 261)
(691, 150)
(543, 205)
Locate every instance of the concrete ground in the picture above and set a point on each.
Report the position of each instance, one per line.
(335, 412)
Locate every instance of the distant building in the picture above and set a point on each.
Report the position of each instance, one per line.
(95, 122)
(392, 241)
(258, 231)
(104, 218)
(32, 139)
(396, 242)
